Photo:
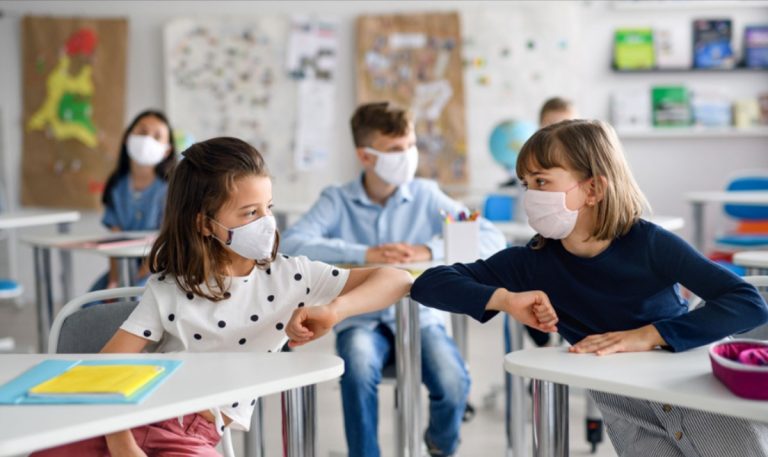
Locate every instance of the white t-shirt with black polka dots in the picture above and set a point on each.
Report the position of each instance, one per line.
(252, 318)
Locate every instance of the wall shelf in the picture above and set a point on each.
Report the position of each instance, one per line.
(650, 5)
(650, 133)
(690, 70)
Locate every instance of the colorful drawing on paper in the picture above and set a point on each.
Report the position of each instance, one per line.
(74, 80)
(415, 61)
(228, 78)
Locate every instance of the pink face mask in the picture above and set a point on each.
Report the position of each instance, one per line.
(548, 215)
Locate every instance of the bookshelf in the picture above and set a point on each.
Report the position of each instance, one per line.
(697, 132)
(689, 70)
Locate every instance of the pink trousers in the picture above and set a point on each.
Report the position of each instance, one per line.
(196, 437)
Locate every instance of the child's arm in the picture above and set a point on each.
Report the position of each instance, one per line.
(366, 290)
(483, 288)
(640, 339)
(123, 443)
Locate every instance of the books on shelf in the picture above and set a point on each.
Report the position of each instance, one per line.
(633, 48)
(631, 109)
(57, 381)
(673, 47)
(712, 43)
(711, 107)
(671, 106)
(756, 46)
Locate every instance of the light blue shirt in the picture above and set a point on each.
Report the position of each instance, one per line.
(344, 223)
(136, 210)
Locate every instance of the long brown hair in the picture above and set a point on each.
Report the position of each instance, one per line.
(590, 149)
(199, 186)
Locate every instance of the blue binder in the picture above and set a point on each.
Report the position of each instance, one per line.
(15, 391)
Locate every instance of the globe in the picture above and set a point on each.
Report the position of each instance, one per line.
(506, 140)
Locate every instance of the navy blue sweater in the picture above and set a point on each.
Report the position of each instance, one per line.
(634, 282)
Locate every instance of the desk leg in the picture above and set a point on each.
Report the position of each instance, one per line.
(459, 325)
(43, 295)
(124, 271)
(698, 225)
(408, 364)
(65, 255)
(550, 419)
(515, 402)
(254, 438)
(300, 422)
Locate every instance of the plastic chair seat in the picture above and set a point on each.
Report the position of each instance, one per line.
(10, 288)
(748, 240)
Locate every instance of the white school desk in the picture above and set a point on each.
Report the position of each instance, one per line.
(45, 243)
(42, 258)
(521, 232)
(203, 381)
(699, 199)
(757, 261)
(683, 379)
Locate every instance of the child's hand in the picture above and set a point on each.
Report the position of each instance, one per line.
(532, 309)
(308, 324)
(637, 340)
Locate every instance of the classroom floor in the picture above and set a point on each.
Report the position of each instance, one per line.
(483, 436)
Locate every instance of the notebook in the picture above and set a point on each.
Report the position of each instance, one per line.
(97, 381)
(22, 389)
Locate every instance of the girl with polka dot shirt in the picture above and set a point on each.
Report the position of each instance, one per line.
(219, 285)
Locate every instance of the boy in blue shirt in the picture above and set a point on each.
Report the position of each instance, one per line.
(387, 216)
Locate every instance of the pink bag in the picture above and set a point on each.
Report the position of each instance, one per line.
(742, 365)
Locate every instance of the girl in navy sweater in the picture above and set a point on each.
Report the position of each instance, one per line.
(614, 280)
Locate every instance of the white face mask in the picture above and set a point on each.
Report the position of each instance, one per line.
(548, 215)
(254, 240)
(396, 168)
(145, 150)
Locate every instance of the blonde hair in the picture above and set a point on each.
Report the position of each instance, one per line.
(555, 104)
(590, 149)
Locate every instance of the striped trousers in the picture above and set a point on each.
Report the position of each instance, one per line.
(641, 428)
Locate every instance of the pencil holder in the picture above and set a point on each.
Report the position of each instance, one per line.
(461, 241)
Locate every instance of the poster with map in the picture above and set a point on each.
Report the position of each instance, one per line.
(415, 61)
(228, 77)
(73, 103)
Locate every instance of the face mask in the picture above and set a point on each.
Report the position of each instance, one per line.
(548, 215)
(145, 150)
(396, 168)
(254, 240)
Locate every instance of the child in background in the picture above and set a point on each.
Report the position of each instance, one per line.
(556, 109)
(134, 196)
(220, 285)
(385, 215)
(613, 280)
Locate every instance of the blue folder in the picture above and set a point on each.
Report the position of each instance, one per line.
(15, 391)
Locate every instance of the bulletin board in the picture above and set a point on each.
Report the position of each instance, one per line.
(226, 78)
(514, 60)
(73, 103)
(415, 61)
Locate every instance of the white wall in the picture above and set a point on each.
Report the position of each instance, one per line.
(664, 168)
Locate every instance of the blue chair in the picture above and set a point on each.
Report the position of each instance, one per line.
(748, 216)
(499, 207)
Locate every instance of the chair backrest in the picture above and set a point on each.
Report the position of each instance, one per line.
(83, 330)
(754, 181)
(80, 329)
(499, 207)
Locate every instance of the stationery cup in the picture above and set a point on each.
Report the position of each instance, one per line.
(461, 241)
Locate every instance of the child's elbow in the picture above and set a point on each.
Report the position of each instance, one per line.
(403, 279)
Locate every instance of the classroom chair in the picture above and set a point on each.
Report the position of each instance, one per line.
(84, 330)
(751, 231)
(499, 207)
